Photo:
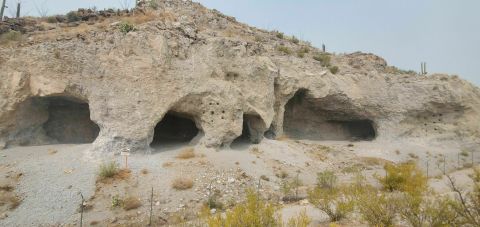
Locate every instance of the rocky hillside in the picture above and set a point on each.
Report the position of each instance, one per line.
(178, 71)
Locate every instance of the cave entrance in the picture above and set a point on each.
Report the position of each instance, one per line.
(174, 128)
(329, 119)
(67, 120)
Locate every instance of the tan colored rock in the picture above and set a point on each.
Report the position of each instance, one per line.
(200, 65)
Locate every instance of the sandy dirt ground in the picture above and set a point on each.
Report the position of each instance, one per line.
(49, 179)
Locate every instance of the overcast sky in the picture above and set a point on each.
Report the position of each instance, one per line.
(443, 33)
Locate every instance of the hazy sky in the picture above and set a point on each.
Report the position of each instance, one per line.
(443, 33)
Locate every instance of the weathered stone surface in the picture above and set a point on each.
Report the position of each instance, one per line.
(197, 62)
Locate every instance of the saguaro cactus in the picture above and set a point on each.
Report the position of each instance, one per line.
(2, 9)
(423, 66)
(18, 10)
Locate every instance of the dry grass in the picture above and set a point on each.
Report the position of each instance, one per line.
(372, 161)
(121, 174)
(131, 203)
(6, 188)
(187, 153)
(10, 200)
(167, 164)
(182, 183)
(283, 138)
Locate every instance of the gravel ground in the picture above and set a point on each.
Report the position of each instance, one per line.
(54, 175)
(50, 184)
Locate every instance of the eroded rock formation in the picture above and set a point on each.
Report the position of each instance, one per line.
(191, 73)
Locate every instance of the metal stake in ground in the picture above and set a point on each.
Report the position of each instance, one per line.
(81, 210)
(151, 208)
(427, 168)
(473, 160)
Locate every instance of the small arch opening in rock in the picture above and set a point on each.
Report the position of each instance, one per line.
(69, 121)
(252, 131)
(174, 129)
(53, 120)
(330, 118)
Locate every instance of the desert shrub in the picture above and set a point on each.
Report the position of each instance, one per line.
(323, 58)
(153, 4)
(295, 40)
(187, 153)
(126, 27)
(302, 220)
(336, 202)
(404, 177)
(464, 153)
(290, 189)
(278, 34)
(108, 170)
(333, 69)
(214, 203)
(181, 183)
(10, 201)
(72, 16)
(467, 205)
(52, 19)
(10, 37)
(302, 51)
(254, 212)
(284, 50)
(377, 208)
(116, 201)
(326, 179)
(282, 175)
(131, 203)
(427, 211)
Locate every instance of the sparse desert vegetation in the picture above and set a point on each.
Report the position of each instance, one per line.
(182, 183)
(186, 153)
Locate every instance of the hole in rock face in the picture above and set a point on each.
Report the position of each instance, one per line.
(174, 128)
(69, 121)
(330, 118)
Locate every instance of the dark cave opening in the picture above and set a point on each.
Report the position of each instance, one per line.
(325, 119)
(68, 120)
(174, 128)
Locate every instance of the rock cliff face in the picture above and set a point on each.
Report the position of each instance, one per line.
(193, 74)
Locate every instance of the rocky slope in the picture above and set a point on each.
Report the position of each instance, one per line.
(229, 79)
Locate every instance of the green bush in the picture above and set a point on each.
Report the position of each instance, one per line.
(405, 177)
(336, 202)
(333, 69)
(278, 34)
(284, 49)
(72, 16)
(323, 58)
(108, 170)
(126, 27)
(302, 51)
(377, 209)
(254, 212)
(326, 179)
